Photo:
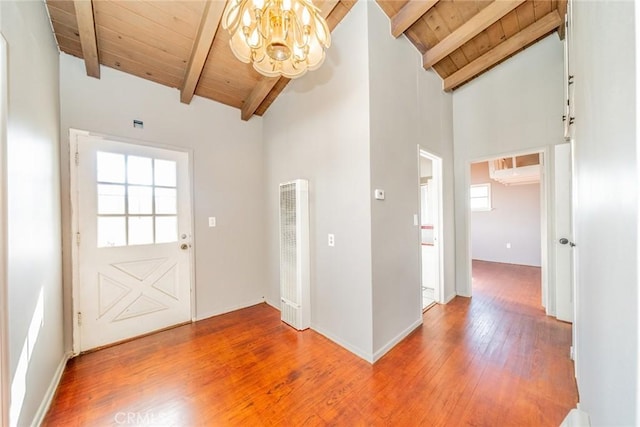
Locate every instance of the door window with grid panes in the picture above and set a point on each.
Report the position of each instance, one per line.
(137, 200)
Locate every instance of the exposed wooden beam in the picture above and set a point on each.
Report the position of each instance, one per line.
(505, 49)
(264, 86)
(327, 7)
(335, 17)
(88, 40)
(474, 26)
(257, 95)
(206, 33)
(562, 11)
(409, 14)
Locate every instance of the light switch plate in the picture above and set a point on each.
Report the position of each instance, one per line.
(212, 221)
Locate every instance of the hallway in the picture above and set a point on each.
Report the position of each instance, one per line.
(494, 359)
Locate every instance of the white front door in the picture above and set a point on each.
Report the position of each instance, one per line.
(133, 223)
(563, 234)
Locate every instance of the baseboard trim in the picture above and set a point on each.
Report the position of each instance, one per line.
(576, 418)
(353, 349)
(51, 391)
(450, 298)
(270, 303)
(393, 342)
(230, 309)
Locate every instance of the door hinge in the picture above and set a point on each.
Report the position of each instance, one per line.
(78, 238)
(77, 157)
(79, 318)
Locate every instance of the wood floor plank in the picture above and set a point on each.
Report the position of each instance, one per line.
(493, 359)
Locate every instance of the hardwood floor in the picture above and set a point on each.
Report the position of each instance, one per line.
(494, 359)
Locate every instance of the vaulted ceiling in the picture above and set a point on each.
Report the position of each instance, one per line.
(181, 44)
(462, 39)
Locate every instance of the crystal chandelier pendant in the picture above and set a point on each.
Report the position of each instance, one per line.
(279, 37)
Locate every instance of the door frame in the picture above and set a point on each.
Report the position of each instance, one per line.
(5, 377)
(438, 233)
(545, 200)
(75, 221)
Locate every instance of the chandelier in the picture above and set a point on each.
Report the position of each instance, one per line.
(280, 37)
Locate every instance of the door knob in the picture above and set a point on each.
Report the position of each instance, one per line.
(564, 241)
(184, 246)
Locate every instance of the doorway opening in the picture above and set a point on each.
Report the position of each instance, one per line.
(508, 220)
(431, 250)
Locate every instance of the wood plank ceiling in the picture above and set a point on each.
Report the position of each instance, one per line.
(462, 39)
(181, 44)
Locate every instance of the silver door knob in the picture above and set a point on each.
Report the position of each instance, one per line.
(184, 246)
(564, 241)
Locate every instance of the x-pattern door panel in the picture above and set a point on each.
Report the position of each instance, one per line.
(134, 222)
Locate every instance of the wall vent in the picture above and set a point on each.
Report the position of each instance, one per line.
(295, 280)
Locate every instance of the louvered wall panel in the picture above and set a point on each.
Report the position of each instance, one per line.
(294, 254)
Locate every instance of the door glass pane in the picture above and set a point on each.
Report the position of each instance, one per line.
(139, 170)
(137, 200)
(111, 231)
(166, 229)
(110, 167)
(140, 200)
(110, 199)
(165, 173)
(140, 230)
(166, 201)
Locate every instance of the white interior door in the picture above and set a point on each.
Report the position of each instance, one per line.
(563, 234)
(133, 261)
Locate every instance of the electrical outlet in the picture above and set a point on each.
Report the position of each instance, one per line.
(331, 240)
(212, 221)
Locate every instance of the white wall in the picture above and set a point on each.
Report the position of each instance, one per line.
(318, 129)
(606, 216)
(227, 173)
(33, 208)
(517, 106)
(514, 218)
(349, 127)
(435, 119)
(396, 84)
